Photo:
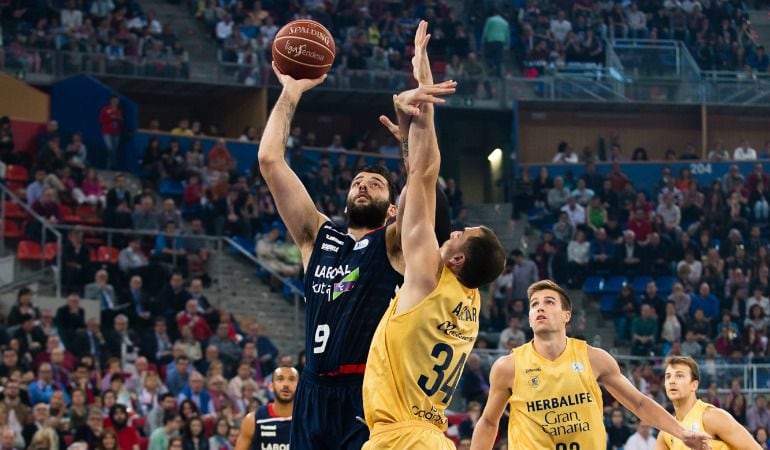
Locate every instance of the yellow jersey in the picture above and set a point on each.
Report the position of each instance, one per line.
(555, 405)
(417, 356)
(693, 421)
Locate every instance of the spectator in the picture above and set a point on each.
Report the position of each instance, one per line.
(558, 195)
(196, 392)
(705, 301)
(137, 303)
(617, 431)
(126, 435)
(144, 217)
(644, 331)
(269, 254)
(625, 311)
(190, 317)
(466, 427)
(172, 298)
(77, 262)
(643, 439)
(111, 119)
(177, 380)
(512, 332)
(169, 248)
(602, 252)
(575, 212)
(102, 291)
(758, 415)
(744, 152)
(159, 439)
(629, 254)
(70, 318)
(121, 342)
(495, 37)
(578, 258)
(157, 345)
(474, 382)
(524, 274)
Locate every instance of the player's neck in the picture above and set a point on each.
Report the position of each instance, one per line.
(550, 345)
(683, 406)
(282, 409)
(359, 233)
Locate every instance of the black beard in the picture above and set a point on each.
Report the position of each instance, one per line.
(369, 216)
(119, 425)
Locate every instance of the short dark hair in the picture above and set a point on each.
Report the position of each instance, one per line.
(164, 396)
(684, 361)
(566, 302)
(484, 259)
(170, 416)
(392, 193)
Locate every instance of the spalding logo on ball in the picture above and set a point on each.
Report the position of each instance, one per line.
(304, 49)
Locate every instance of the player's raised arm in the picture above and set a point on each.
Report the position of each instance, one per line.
(500, 382)
(247, 432)
(294, 203)
(421, 256)
(608, 373)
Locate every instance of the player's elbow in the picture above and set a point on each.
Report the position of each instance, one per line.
(425, 171)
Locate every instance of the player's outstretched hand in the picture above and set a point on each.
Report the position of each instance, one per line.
(420, 62)
(408, 102)
(696, 440)
(392, 127)
(297, 87)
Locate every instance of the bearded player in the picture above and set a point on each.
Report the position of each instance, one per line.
(351, 275)
(269, 427)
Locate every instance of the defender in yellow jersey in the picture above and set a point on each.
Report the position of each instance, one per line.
(551, 386)
(682, 377)
(422, 342)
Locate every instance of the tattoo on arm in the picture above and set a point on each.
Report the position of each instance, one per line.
(289, 108)
(405, 148)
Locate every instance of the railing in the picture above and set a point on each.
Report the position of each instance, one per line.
(45, 228)
(296, 294)
(753, 373)
(216, 244)
(637, 71)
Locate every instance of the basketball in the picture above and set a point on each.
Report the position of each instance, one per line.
(304, 49)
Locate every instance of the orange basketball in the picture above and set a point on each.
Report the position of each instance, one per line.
(304, 49)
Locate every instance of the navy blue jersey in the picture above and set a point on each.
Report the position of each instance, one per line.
(271, 431)
(348, 286)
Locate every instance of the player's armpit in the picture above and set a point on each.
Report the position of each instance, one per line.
(247, 433)
(660, 443)
(500, 385)
(720, 424)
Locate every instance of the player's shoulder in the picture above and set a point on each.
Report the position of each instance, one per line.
(714, 418)
(504, 367)
(601, 361)
(263, 412)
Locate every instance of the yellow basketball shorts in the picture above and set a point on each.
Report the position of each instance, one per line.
(412, 435)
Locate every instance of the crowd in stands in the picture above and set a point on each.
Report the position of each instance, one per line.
(533, 38)
(693, 263)
(158, 356)
(112, 36)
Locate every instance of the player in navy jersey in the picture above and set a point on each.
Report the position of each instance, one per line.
(350, 277)
(268, 427)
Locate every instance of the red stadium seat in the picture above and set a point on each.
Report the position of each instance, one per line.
(93, 255)
(51, 249)
(14, 211)
(29, 251)
(88, 215)
(138, 422)
(456, 419)
(11, 229)
(16, 173)
(107, 255)
(68, 439)
(67, 215)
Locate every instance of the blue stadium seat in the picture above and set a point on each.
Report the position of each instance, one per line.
(614, 284)
(593, 285)
(607, 304)
(640, 283)
(665, 284)
(170, 188)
